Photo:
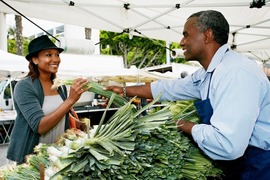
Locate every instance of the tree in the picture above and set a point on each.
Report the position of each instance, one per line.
(18, 36)
(12, 39)
(138, 51)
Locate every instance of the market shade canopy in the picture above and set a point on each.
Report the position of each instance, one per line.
(109, 68)
(104, 68)
(162, 19)
(12, 66)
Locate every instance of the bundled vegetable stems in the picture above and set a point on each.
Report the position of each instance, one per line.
(95, 88)
(127, 146)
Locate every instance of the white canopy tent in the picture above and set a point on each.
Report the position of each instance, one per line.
(103, 68)
(12, 66)
(162, 19)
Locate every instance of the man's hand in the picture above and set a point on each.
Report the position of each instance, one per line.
(116, 89)
(141, 91)
(184, 126)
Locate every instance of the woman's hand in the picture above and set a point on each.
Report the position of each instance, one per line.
(77, 88)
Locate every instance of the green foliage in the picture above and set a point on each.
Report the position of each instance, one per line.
(138, 51)
(12, 42)
(12, 46)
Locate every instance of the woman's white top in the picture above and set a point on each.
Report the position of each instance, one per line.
(50, 104)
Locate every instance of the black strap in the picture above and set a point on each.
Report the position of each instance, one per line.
(63, 89)
(210, 83)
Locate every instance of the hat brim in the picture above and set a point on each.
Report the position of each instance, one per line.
(29, 56)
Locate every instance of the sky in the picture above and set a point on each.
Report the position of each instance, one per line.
(29, 28)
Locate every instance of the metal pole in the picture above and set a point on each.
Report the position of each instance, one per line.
(3, 32)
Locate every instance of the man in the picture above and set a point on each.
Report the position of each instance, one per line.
(233, 98)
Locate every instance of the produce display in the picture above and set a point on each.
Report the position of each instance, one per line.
(132, 144)
(133, 75)
(124, 79)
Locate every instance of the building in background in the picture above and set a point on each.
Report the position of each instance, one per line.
(57, 29)
(72, 35)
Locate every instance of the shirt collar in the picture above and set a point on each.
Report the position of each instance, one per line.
(217, 58)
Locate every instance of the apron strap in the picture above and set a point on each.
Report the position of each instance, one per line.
(210, 83)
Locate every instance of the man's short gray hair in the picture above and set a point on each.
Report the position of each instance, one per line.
(215, 21)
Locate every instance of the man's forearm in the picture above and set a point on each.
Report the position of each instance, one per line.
(143, 91)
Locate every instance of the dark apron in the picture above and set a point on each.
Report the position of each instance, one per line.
(204, 107)
(254, 164)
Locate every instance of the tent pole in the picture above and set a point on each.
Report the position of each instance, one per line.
(3, 32)
(168, 52)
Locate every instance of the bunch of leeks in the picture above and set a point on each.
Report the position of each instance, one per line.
(128, 146)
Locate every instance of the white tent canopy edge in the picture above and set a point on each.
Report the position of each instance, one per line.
(96, 67)
(163, 19)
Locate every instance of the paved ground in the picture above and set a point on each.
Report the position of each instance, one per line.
(3, 153)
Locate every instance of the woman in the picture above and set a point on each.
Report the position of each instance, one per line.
(41, 110)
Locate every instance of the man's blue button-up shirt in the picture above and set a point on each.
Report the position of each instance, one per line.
(240, 97)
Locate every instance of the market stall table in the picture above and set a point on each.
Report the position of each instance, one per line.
(7, 119)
